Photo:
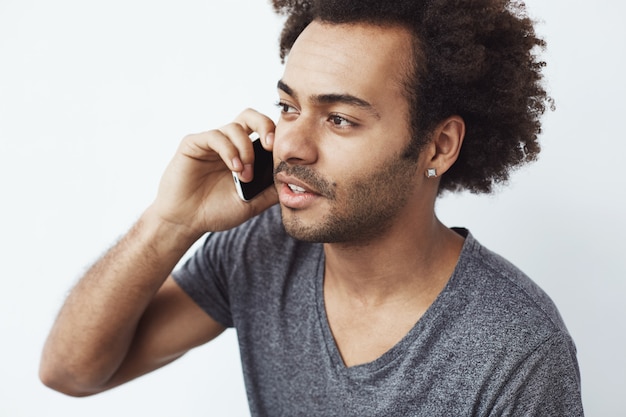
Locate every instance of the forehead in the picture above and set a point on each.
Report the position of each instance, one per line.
(360, 59)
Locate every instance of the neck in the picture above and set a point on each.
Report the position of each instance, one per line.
(406, 262)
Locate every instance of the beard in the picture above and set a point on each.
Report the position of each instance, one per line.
(361, 209)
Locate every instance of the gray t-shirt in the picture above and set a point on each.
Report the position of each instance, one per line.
(492, 343)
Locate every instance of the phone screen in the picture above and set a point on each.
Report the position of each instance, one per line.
(263, 174)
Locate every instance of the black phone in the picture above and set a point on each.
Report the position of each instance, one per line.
(263, 173)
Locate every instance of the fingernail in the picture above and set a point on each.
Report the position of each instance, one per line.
(269, 139)
(236, 164)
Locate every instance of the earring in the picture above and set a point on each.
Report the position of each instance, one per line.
(431, 173)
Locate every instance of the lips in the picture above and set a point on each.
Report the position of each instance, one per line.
(294, 193)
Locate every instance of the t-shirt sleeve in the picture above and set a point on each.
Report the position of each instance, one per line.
(204, 279)
(547, 383)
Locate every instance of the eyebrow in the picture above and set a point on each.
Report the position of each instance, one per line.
(321, 99)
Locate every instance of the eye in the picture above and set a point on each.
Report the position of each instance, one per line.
(340, 121)
(286, 108)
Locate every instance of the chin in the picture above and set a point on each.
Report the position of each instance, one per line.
(331, 228)
(297, 227)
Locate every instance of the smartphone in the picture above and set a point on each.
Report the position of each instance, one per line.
(263, 173)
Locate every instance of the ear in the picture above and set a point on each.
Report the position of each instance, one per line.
(444, 148)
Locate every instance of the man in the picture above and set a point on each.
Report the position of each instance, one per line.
(349, 297)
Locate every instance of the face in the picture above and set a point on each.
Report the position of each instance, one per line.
(344, 127)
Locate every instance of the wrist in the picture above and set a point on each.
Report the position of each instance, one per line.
(165, 237)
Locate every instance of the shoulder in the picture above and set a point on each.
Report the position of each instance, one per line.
(259, 234)
(509, 329)
(258, 247)
(506, 302)
(268, 225)
(244, 266)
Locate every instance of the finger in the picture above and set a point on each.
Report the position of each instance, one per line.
(240, 139)
(253, 121)
(211, 145)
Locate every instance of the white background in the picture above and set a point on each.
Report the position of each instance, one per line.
(94, 97)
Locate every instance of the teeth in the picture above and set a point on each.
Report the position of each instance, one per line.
(296, 189)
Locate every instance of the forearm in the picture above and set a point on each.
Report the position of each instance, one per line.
(97, 323)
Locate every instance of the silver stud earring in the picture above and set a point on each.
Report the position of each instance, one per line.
(431, 173)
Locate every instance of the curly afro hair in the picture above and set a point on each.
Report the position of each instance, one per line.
(475, 58)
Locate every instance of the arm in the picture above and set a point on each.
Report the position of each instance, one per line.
(125, 317)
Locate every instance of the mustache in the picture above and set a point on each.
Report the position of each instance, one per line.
(309, 176)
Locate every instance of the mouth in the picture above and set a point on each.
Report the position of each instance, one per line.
(296, 189)
(294, 193)
(297, 183)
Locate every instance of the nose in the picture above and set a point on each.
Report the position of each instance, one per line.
(295, 141)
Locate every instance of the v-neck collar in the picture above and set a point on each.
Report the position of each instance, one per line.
(368, 369)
